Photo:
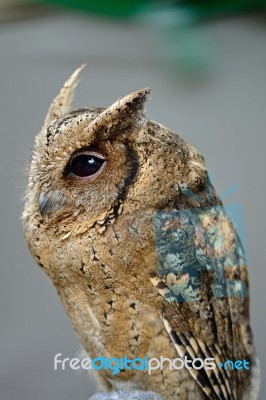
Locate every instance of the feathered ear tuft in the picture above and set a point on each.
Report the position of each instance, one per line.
(122, 116)
(62, 102)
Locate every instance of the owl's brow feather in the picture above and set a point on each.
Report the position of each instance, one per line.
(92, 113)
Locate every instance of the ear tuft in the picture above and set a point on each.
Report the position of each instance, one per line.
(133, 102)
(61, 104)
(122, 116)
(136, 100)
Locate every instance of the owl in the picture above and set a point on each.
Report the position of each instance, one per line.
(121, 215)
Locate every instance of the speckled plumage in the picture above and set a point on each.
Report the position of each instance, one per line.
(126, 291)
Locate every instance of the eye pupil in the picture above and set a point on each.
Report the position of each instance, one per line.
(84, 165)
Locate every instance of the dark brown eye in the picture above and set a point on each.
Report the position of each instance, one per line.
(86, 165)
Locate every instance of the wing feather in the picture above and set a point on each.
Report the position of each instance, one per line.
(202, 276)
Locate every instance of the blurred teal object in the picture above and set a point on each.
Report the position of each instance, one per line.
(178, 25)
(129, 8)
(208, 9)
(112, 8)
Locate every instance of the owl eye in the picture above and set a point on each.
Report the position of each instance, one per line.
(86, 165)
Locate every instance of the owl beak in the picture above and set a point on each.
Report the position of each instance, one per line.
(51, 202)
(43, 204)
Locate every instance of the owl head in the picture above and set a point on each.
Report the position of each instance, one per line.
(89, 164)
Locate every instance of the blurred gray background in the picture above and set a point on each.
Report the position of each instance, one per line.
(218, 105)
